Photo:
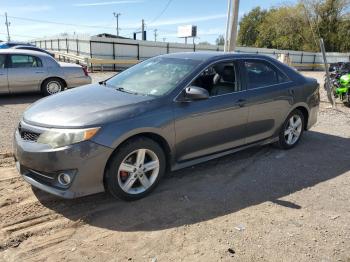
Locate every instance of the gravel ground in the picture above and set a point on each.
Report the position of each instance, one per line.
(262, 204)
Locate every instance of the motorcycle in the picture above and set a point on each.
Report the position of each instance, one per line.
(342, 89)
(340, 81)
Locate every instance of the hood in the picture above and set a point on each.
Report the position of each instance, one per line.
(84, 106)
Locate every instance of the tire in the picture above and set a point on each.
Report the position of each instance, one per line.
(125, 177)
(285, 142)
(52, 86)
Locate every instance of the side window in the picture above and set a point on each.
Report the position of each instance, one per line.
(218, 79)
(24, 61)
(261, 73)
(2, 61)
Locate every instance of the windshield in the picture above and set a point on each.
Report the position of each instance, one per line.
(155, 76)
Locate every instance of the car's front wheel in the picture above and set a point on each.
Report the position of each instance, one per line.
(292, 130)
(135, 169)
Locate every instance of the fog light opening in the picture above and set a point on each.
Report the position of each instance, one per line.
(64, 179)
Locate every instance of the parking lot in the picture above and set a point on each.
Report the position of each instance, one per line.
(261, 204)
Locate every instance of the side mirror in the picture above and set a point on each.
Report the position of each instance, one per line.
(196, 93)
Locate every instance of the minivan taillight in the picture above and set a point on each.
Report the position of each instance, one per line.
(85, 71)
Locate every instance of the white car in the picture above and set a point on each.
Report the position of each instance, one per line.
(32, 71)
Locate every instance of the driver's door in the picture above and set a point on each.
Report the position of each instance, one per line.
(204, 127)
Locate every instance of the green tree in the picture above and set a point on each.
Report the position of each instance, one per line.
(220, 40)
(285, 28)
(299, 26)
(248, 27)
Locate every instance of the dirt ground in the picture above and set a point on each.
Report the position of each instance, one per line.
(262, 204)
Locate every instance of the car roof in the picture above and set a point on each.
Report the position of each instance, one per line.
(28, 46)
(210, 55)
(23, 52)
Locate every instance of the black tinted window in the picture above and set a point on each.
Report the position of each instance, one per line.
(218, 79)
(260, 74)
(21, 61)
(2, 61)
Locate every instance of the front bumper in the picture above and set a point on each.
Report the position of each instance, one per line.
(40, 165)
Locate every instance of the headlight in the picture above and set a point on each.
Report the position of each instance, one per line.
(64, 137)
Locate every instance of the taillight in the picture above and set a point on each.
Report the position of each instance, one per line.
(85, 71)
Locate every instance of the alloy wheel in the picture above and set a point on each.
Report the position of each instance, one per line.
(138, 171)
(293, 130)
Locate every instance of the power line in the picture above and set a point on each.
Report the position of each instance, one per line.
(58, 23)
(27, 36)
(162, 12)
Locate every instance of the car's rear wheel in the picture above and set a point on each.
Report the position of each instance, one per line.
(52, 86)
(135, 169)
(292, 130)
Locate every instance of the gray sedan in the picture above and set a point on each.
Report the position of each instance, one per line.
(31, 71)
(166, 113)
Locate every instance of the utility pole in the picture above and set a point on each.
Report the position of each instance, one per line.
(234, 26)
(229, 3)
(155, 35)
(143, 29)
(7, 23)
(116, 15)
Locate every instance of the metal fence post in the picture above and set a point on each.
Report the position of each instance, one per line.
(313, 63)
(77, 46)
(91, 65)
(114, 56)
(138, 51)
(194, 47)
(51, 45)
(167, 48)
(67, 45)
(301, 60)
(58, 44)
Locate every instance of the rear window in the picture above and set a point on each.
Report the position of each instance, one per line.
(261, 74)
(24, 61)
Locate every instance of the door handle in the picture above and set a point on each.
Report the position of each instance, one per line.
(241, 102)
(291, 91)
(39, 72)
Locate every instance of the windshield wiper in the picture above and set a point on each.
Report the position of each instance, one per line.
(102, 82)
(122, 89)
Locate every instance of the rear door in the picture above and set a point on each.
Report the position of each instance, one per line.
(25, 73)
(269, 98)
(3, 75)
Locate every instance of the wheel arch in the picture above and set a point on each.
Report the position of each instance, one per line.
(151, 135)
(303, 108)
(53, 77)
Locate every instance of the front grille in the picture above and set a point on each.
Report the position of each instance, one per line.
(28, 135)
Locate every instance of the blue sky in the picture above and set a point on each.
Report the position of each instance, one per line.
(96, 16)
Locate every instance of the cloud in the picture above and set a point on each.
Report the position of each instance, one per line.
(188, 20)
(109, 3)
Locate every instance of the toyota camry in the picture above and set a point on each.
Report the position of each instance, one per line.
(168, 112)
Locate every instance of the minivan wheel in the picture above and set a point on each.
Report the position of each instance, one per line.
(292, 130)
(135, 169)
(52, 86)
